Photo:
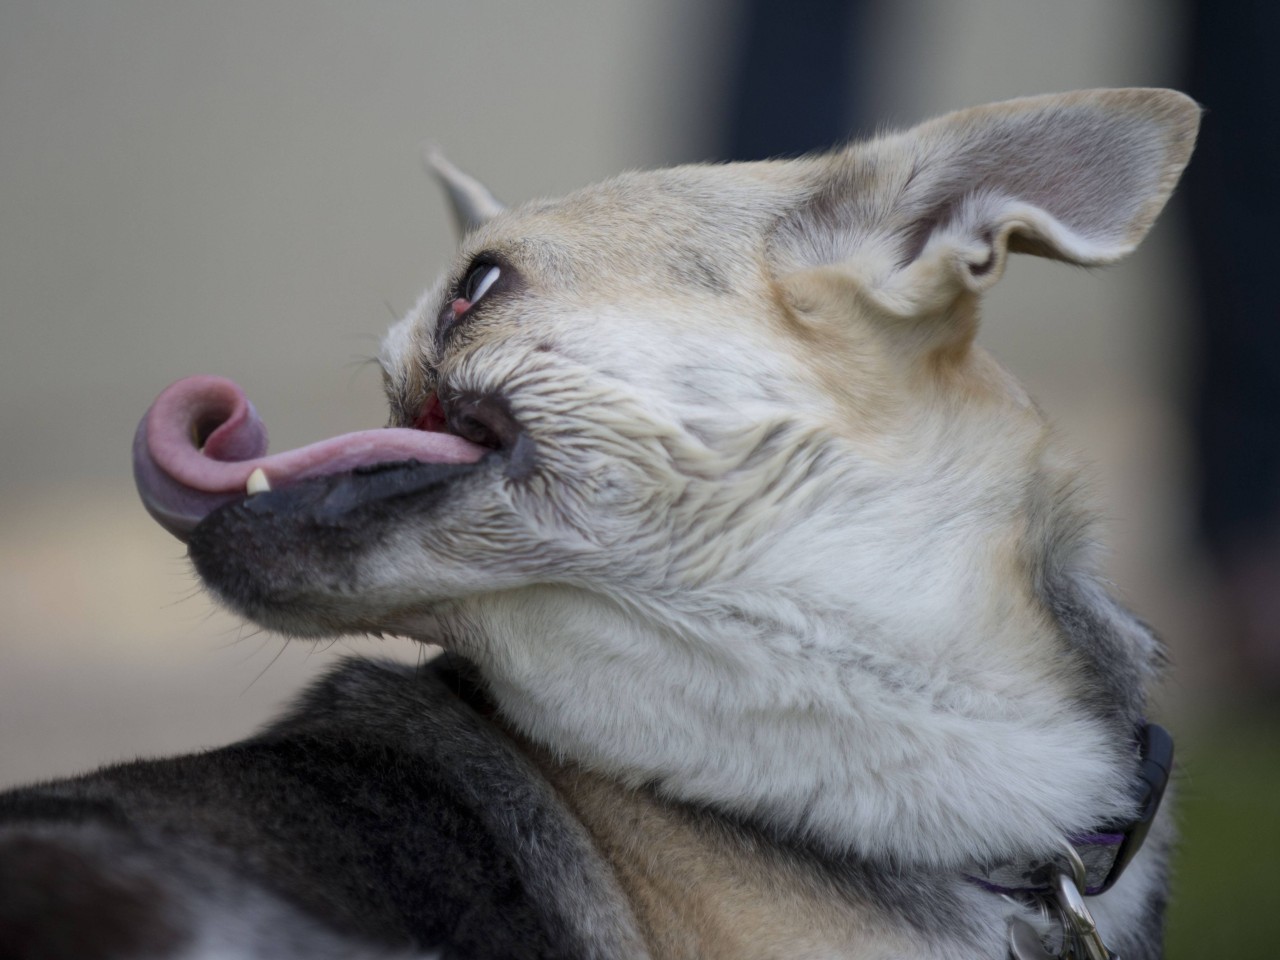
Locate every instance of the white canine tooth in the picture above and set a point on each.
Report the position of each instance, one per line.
(257, 482)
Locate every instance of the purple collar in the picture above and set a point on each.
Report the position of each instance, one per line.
(1104, 853)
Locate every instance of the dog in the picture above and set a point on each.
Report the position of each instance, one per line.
(772, 608)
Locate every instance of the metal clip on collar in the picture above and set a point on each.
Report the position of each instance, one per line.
(1078, 934)
(1064, 899)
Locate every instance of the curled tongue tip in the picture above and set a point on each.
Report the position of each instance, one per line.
(189, 448)
(202, 445)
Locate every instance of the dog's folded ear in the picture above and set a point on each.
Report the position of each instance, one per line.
(918, 219)
(472, 203)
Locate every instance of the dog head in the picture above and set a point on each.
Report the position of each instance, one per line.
(742, 511)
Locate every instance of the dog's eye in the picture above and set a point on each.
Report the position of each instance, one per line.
(480, 278)
(475, 284)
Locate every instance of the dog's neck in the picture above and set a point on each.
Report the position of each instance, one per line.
(825, 734)
(707, 887)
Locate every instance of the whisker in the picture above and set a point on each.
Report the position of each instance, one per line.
(186, 597)
(284, 645)
(362, 360)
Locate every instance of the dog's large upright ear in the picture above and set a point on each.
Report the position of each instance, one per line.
(918, 219)
(472, 203)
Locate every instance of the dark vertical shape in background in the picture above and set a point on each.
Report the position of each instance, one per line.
(1234, 201)
(791, 91)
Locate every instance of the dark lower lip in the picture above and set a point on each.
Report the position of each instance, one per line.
(265, 554)
(341, 499)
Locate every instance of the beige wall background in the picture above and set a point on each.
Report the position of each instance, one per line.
(235, 187)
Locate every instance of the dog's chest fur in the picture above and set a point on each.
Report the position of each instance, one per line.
(700, 893)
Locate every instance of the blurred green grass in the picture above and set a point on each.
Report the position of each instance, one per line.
(1226, 892)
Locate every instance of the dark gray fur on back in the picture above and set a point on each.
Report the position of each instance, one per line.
(382, 816)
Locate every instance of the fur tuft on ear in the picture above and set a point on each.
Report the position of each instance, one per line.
(919, 218)
(473, 205)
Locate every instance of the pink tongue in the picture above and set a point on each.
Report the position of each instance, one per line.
(181, 482)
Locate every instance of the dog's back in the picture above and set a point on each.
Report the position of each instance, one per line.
(382, 817)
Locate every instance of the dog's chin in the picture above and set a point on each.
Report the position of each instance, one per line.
(289, 559)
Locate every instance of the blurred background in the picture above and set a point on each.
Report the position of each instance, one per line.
(236, 188)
